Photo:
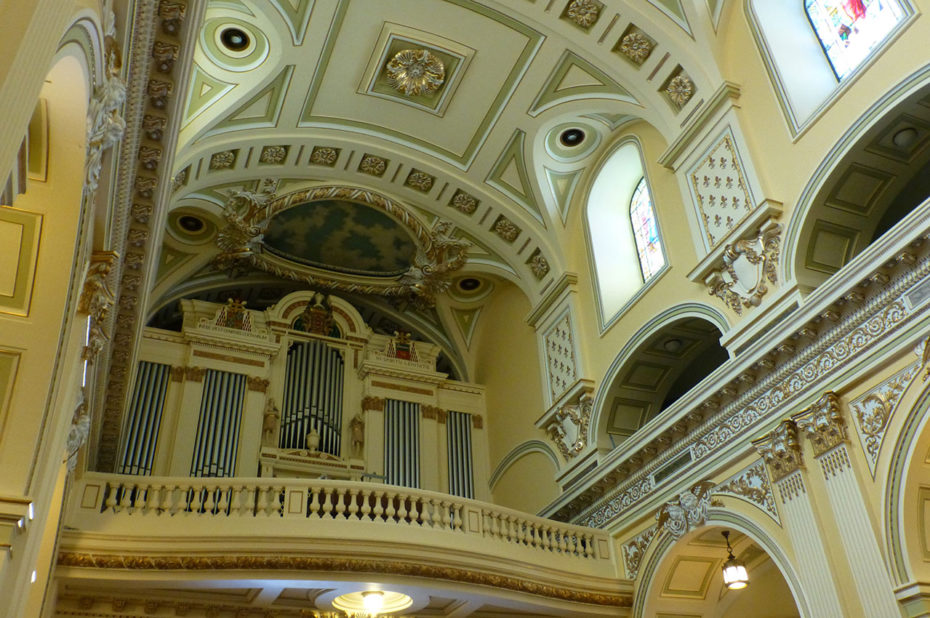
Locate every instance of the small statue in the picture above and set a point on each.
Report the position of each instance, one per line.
(270, 423)
(358, 433)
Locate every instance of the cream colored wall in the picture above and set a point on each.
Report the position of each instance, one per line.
(527, 484)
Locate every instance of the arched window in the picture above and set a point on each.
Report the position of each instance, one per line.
(850, 29)
(646, 231)
(623, 231)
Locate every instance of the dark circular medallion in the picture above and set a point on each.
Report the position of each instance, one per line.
(234, 39)
(469, 284)
(571, 137)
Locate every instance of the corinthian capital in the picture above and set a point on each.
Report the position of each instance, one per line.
(781, 450)
(823, 423)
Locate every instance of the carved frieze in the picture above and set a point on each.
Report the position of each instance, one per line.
(634, 550)
(375, 404)
(752, 485)
(194, 374)
(721, 191)
(749, 266)
(781, 450)
(823, 423)
(872, 411)
(687, 512)
(257, 384)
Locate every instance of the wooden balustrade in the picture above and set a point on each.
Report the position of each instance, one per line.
(335, 500)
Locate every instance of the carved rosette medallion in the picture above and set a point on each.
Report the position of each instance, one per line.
(324, 155)
(781, 450)
(421, 181)
(680, 90)
(464, 203)
(415, 72)
(823, 424)
(749, 266)
(686, 513)
(636, 46)
(506, 229)
(372, 165)
(223, 160)
(539, 265)
(273, 155)
(583, 13)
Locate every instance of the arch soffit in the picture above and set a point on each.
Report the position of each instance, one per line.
(801, 216)
(518, 452)
(653, 326)
(761, 532)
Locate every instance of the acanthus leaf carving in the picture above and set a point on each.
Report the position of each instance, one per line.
(97, 299)
(749, 266)
(634, 550)
(872, 411)
(752, 485)
(688, 512)
(781, 450)
(823, 423)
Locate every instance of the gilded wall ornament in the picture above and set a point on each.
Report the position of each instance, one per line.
(324, 155)
(372, 165)
(823, 423)
(105, 124)
(223, 160)
(584, 13)
(539, 265)
(257, 384)
(636, 46)
(375, 404)
(421, 181)
(634, 550)
(568, 428)
(680, 90)
(749, 265)
(158, 92)
(506, 229)
(165, 55)
(171, 14)
(872, 411)
(752, 485)
(273, 155)
(781, 450)
(96, 301)
(415, 72)
(77, 434)
(154, 126)
(145, 186)
(179, 180)
(687, 512)
(464, 203)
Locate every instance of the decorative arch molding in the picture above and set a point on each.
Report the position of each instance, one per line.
(517, 453)
(801, 217)
(346, 317)
(909, 433)
(663, 542)
(86, 33)
(678, 312)
(798, 67)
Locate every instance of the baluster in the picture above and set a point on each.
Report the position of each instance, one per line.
(276, 504)
(379, 509)
(492, 524)
(313, 508)
(174, 500)
(402, 511)
(391, 511)
(562, 547)
(572, 548)
(353, 504)
(340, 502)
(209, 499)
(111, 497)
(446, 516)
(163, 500)
(521, 531)
(589, 546)
(413, 514)
(436, 505)
(262, 505)
(457, 517)
(531, 538)
(125, 500)
(328, 502)
(141, 500)
(366, 505)
(547, 538)
(235, 500)
(223, 505)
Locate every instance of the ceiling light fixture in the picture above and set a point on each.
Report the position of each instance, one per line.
(373, 601)
(735, 576)
(905, 137)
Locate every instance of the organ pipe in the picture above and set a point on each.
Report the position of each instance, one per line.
(217, 439)
(402, 443)
(313, 386)
(140, 434)
(458, 441)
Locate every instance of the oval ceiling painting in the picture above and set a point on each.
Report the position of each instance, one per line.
(341, 236)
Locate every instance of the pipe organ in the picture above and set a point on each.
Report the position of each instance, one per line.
(313, 386)
(143, 419)
(402, 443)
(237, 391)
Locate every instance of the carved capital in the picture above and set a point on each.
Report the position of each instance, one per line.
(194, 374)
(430, 412)
(177, 374)
(687, 512)
(257, 384)
(477, 421)
(781, 450)
(823, 423)
(375, 404)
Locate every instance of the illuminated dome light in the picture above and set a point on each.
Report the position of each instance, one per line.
(372, 602)
(735, 576)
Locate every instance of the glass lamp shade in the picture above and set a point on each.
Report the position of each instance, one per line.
(374, 601)
(735, 576)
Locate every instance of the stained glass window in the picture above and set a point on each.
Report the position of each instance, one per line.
(646, 231)
(850, 29)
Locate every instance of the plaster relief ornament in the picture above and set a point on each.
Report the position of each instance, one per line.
(636, 47)
(105, 125)
(357, 426)
(539, 265)
(240, 237)
(270, 423)
(77, 435)
(324, 155)
(688, 512)
(421, 181)
(680, 90)
(372, 165)
(568, 429)
(415, 72)
(273, 155)
(96, 300)
(223, 160)
(429, 274)
(823, 424)
(464, 203)
(872, 411)
(506, 229)
(780, 450)
(584, 12)
(749, 265)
